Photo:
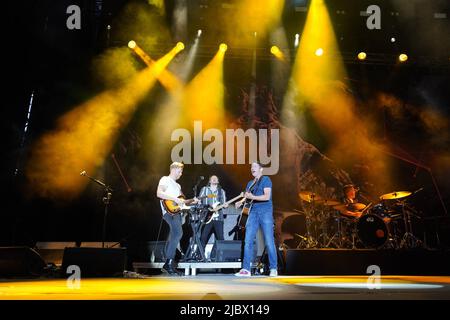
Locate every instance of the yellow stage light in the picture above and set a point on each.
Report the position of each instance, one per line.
(402, 57)
(132, 44)
(274, 50)
(362, 55)
(319, 52)
(223, 47)
(180, 46)
(277, 52)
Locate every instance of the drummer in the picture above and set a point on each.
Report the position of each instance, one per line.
(349, 209)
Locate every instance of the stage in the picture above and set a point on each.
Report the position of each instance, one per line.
(304, 138)
(229, 287)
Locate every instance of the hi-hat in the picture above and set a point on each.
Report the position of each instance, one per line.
(395, 195)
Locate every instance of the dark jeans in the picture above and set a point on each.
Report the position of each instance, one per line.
(215, 226)
(175, 234)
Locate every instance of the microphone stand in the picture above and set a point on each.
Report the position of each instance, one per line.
(106, 200)
(196, 185)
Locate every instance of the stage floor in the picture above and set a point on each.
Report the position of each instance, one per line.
(228, 287)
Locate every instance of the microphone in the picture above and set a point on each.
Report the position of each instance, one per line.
(83, 173)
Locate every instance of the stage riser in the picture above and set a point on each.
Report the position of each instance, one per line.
(356, 262)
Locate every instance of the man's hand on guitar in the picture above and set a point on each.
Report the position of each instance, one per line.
(239, 203)
(248, 195)
(195, 201)
(179, 201)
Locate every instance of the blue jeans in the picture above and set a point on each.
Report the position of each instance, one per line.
(259, 218)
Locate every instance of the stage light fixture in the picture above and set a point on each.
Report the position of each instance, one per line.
(319, 52)
(393, 39)
(180, 46)
(277, 52)
(402, 57)
(274, 50)
(223, 47)
(131, 44)
(199, 32)
(362, 55)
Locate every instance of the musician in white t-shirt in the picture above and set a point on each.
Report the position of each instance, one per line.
(169, 189)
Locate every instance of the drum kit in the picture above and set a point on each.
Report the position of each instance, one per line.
(332, 224)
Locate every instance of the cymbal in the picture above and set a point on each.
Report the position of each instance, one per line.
(351, 206)
(285, 214)
(309, 196)
(395, 195)
(357, 206)
(328, 202)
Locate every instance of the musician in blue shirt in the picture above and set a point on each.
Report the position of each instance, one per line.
(259, 192)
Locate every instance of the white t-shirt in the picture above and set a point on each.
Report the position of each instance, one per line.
(172, 188)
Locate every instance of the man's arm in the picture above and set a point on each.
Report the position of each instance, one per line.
(264, 197)
(161, 193)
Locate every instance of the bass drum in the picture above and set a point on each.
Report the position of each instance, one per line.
(372, 231)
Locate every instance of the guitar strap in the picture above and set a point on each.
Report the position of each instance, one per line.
(255, 185)
(219, 194)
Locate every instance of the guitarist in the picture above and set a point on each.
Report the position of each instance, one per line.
(216, 225)
(169, 189)
(259, 191)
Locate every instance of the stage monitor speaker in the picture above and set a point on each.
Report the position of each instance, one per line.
(227, 251)
(96, 262)
(20, 261)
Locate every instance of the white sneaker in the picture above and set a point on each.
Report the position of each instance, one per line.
(273, 273)
(243, 273)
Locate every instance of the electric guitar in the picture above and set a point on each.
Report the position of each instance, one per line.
(173, 208)
(214, 212)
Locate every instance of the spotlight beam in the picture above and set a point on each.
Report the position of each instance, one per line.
(166, 78)
(85, 135)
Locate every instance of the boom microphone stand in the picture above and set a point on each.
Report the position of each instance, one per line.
(106, 201)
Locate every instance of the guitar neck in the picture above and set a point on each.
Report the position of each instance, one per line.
(228, 202)
(199, 198)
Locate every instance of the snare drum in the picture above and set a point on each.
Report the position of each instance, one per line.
(372, 231)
